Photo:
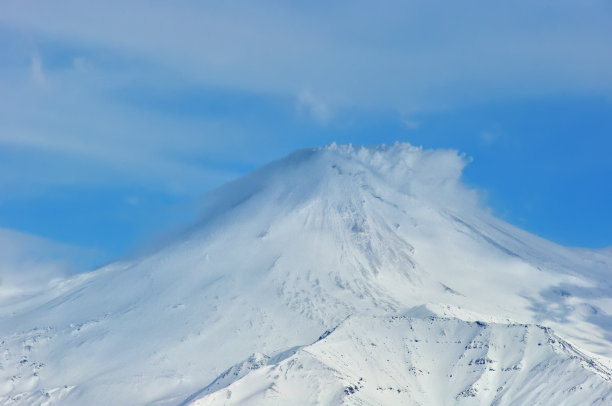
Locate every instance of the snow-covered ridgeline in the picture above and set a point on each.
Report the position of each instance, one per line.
(288, 252)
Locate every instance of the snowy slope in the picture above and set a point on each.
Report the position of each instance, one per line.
(421, 361)
(284, 254)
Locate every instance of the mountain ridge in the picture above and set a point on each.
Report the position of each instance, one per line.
(479, 357)
(284, 254)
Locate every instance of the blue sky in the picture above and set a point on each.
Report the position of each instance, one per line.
(115, 119)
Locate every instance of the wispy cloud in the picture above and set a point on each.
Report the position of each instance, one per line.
(69, 128)
(28, 262)
(410, 123)
(314, 107)
(424, 52)
(81, 83)
(37, 74)
(489, 137)
(405, 56)
(408, 54)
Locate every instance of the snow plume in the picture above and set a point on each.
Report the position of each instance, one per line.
(28, 263)
(433, 174)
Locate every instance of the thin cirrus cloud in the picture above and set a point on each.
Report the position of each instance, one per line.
(175, 98)
(28, 262)
(310, 105)
(322, 58)
(36, 70)
(405, 50)
(83, 136)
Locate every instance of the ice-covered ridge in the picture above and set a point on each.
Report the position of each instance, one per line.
(424, 361)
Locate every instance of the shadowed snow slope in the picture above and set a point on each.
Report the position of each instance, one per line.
(289, 252)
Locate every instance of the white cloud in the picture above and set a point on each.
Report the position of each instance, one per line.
(80, 135)
(405, 53)
(37, 74)
(489, 137)
(314, 107)
(406, 56)
(28, 262)
(410, 123)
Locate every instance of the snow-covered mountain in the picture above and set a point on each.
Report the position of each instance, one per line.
(418, 361)
(304, 278)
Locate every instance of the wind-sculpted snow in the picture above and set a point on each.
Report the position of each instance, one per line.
(424, 361)
(283, 255)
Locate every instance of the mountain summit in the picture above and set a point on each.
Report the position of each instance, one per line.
(341, 274)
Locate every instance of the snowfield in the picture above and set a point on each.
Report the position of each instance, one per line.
(419, 361)
(337, 275)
